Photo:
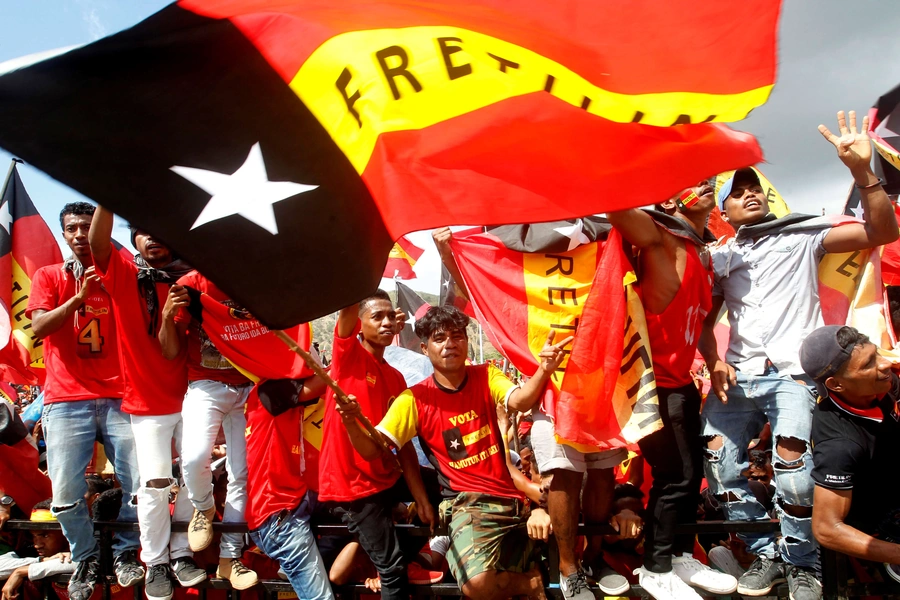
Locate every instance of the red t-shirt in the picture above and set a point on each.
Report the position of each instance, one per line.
(204, 360)
(344, 475)
(82, 356)
(674, 333)
(459, 429)
(153, 385)
(275, 481)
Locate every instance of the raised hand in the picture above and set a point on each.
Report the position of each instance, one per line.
(552, 354)
(853, 147)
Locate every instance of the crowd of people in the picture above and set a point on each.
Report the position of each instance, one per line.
(800, 423)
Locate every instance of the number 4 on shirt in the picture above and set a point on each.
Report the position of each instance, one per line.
(90, 341)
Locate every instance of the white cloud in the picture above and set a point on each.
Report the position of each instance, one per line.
(91, 17)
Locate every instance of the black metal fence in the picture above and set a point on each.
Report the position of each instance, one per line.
(835, 567)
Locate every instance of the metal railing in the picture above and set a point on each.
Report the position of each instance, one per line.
(835, 567)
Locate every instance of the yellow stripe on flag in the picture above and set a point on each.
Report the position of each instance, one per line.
(361, 84)
(556, 287)
(888, 154)
(21, 325)
(398, 252)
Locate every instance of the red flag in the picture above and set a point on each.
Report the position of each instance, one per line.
(249, 344)
(26, 245)
(402, 259)
(570, 278)
(361, 121)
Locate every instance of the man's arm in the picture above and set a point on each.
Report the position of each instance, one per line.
(46, 322)
(100, 237)
(552, 355)
(832, 507)
(173, 335)
(637, 227)
(409, 461)
(855, 151)
(442, 239)
(368, 448)
(721, 374)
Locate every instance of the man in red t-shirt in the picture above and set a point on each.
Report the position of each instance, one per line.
(278, 510)
(72, 313)
(360, 492)
(154, 391)
(454, 414)
(676, 291)
(216, 395)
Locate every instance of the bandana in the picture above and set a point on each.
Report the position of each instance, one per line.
(148, 277)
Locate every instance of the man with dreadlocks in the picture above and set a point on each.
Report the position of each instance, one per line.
(72, 313)
(154, 391)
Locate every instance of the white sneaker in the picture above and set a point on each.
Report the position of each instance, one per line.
(665, 586)
(694, 572)
(723, 559)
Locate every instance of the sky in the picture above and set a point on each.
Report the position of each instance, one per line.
(833, 55)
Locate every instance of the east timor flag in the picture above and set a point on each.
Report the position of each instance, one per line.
(402, 259)
(281, 147)
(572, 278)
(26, 245)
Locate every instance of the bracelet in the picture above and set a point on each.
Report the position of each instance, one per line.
(871, 185)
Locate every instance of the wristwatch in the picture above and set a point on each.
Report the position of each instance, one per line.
(7, 501)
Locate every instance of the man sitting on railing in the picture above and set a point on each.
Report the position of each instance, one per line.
(856, 442)
(454, 415)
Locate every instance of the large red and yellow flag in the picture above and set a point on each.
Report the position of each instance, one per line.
(26, 245)
(571, 278)
(402, 259)
(348, 124)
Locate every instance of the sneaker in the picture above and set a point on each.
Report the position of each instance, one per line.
(893, 571)
(281, 574)
(693, 572)
(761, 577)
(200, 531)
(609, 582)
(419, 575)
(187, 572)
(235, 572)
(158, 585)
(575, 587)
(665, 586)
(128, 570)
(83, 580)
(802, 584)
(723, 559)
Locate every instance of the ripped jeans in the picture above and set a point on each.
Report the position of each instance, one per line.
(788, 406)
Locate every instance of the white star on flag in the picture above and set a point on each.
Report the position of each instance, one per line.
(5, 217)
(858, 212)
(454, 444)
(410, 319)
(246, 192)
(575, 233)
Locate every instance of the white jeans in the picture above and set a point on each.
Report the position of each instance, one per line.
(153, 436)
(209, 405)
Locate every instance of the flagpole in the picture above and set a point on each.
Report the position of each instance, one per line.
(339, 395)
(12, 167)
(480, 345)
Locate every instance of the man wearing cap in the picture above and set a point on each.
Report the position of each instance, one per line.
(856, 439)
(674, 286)
(767, 277)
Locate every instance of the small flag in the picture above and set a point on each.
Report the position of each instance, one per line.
(402, 259)
(26, 245)
(884, 129)
(414, 307)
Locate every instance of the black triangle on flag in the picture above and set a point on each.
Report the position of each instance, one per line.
(414, 307)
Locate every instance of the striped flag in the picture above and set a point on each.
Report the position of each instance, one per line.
(26, 245)
(402, 259)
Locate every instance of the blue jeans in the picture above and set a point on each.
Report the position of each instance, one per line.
(287, 538)
(788, 406)
(70, 430)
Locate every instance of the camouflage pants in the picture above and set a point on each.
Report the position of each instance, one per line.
(487, 533)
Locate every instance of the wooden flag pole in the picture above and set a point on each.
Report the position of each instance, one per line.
(339, 395)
